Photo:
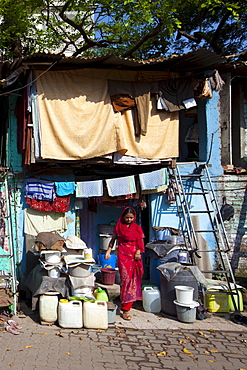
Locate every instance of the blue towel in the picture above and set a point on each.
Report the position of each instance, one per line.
(121, 186)
(87, 189)
(39, 189)
(64, 188)
(153, 180)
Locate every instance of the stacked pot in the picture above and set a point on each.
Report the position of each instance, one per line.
(79, 262)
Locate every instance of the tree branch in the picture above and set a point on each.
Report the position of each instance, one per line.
(189, 37)
(216, 35)
(155, 31)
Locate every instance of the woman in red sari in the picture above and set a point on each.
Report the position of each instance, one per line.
(130, 246)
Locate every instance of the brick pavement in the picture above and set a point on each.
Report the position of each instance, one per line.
(119, 347)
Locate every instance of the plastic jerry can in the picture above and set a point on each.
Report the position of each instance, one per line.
(70, 314)
(95, 315)
(48, 307)
(151, 299)
(100, 294)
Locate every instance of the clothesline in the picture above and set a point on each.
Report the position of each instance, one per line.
(153, 180)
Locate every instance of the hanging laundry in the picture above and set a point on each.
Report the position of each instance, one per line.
(172, 190)
(64, 188)
(175, 92)
(39, 189)
(153, 180)
(202, 89)
(87, 189)
(37, 221)
(4, 243)
(121, 186)
(59, 204)
(125, 95)
(216, 81)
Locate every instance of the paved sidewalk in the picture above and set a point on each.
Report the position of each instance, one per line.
(149, 341)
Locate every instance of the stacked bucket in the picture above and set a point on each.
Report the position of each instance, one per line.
(108, 267)
(185, 305)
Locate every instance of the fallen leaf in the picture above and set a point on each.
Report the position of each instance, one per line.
(186, 351)
(81, 338)
(182, 341)
(101, 346)
(8, 347)
(212, 330)
(213, 351)
(206, 352)
(11, 364)
(149, 346)
(122, 335)
(191, 355)
(163, 354)
(29, 346)
(191, 339)
(211, 361)
(67, 353)
(111, 338)
(200, 332)
(42, 333)
(60, 335)
(101, 330)
(234, 352)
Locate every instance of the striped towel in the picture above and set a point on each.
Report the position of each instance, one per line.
(121, 186)
(87, 189)
(39, 189)
(154, 179)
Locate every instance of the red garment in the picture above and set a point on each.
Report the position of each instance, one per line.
(130, 239)
(59, 204)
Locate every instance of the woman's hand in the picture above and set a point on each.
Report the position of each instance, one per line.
(138, 255)
(107, 255)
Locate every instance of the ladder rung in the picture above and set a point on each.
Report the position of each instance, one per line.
(201, 211)
(5, 276)
(216, 272)
(214, 250)
(191, 175)
(205, 231)
(196, 193)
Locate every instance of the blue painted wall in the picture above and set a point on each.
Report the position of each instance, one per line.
(166, 215)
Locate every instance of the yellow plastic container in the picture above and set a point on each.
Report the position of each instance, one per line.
(241, 304)
(217, 302)
(222, 303)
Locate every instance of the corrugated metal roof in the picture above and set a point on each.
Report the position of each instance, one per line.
(197, 60)
(194, 61)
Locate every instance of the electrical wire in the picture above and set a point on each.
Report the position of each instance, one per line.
(31, 82)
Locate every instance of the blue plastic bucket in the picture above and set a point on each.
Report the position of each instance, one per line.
(108, 264)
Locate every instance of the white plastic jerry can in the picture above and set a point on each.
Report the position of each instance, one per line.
(95, 315)
(151, 299)
(70, 314)
(48, 307)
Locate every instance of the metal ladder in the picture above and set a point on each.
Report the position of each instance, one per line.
(7, 240)
(198, 183)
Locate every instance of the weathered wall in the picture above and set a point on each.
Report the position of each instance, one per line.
(233, 187)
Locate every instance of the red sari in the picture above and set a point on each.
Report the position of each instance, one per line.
(130, 239)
